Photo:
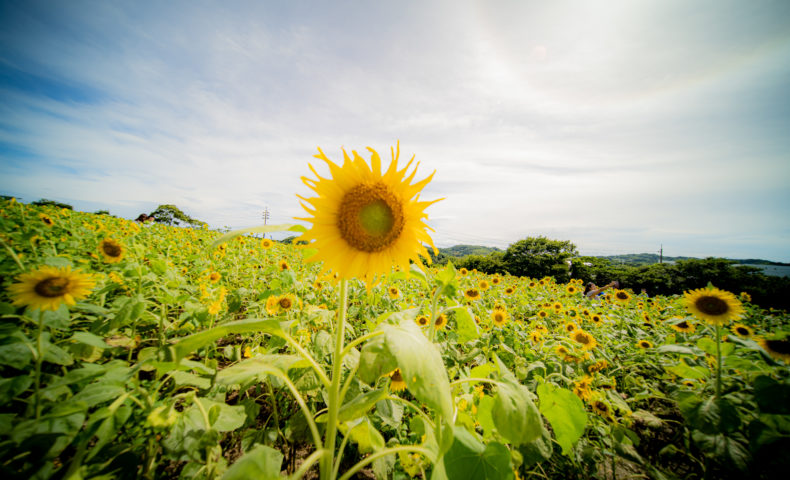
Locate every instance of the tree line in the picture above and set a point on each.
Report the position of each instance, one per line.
(539, 257)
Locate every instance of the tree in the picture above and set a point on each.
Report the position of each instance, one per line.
(491, 263)
(45, 202)
(539, 257)
(172, 215)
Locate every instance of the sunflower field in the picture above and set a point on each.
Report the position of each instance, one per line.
(147, 351)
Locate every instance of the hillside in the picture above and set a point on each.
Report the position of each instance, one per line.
(459, 251)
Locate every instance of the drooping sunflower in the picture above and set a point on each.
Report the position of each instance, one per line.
(583, 338)
(272, 306)
(499, 317)
(601, 408)
(266, 244)
(717, 307)
(397, 383)
(535, 336)
(111, 250)
(776, 346)
(422, 321)
(47, 287)
(742, 330)
(745, 297)
(365, 221)
(472, 294)
(582, 388)
(685, 327)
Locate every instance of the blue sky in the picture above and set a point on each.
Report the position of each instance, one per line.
(620, 125)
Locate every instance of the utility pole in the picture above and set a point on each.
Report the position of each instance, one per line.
(661, 254)
(265, 216)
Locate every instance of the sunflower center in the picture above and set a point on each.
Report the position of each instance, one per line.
(111, 249)
(742, 331)
(285, 303)
(582, 339)
(779, 346)
(711, 305)
(370, 217)
(52, 287)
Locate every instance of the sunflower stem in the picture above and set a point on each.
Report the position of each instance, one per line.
(434, 316)
(718, 361)
(334, 388)
(39, 361)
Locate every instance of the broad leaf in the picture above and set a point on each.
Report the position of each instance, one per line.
(515, 415)
(565, 412)
(260, 462)
(470, 459)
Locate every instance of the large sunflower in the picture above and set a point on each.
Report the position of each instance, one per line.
(715, 306)
(365, 221)
(778, 346)
(48, 287)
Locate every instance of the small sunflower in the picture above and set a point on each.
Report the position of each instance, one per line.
(422, 321)
(596, 318)
(777, 347)
(644, 344)
(286, 302)
(365, 221)
(472, 294)
(393, 292)
(622, 296)
(601, 408)
(440, 322)
(510, 290)
(557, 307)
(532, 284)
(397, 383)
(582, 388)
(499, 317)
(495, 280)
(597, 366)
(283, 265)
(272, 307)
(742, 330)
(47, 287)
(266, 243)
(570, 327)
(464, 272)
(535, 336)
(46, 219)
(715, 306)
(111, 250)
(483, 285)
(214, 277)
(583, 338)
(543, 313)
(745, 297)
(571, 289)
(685, 327)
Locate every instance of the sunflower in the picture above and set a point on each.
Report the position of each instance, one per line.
(685, 327)
(495, 280)
(582, 388)
(585, 312)
(111, 250)
(745, 297)
(622, 296)
(393, 292)
(272, 306)
(715, 306)
(464, 272)
(46, 219)
(596, 318)
(483, 285)
(777, 347)
(597, 366)
(440, 322)
(571, 289)
(583, 338)
(557, 307)
(286, 302)
(214, 277)
(47, 287)
(532, 284)
(422, 321)
(365, 221)
(397, 383)
(570, 327)
(266, 244)
(742, 330)
(543, 313)
(644, 344)
(472, 294)
(283, 265)
(510, 290)
(601, 408)
(535, 336)
(499, 317)
(608, 384)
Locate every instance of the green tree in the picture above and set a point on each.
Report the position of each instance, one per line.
(172, 215)
(491, 263)
(45, 202)
(539, 257)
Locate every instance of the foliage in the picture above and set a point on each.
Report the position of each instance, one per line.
(539, 257)
(44, 202)
(172, 215)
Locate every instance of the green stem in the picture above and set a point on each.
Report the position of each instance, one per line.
(334, 389)
(718, 361)
(361, 339)
(434, 316)
(39, 361)
(308, 462)
(306, 355)
(383, 453)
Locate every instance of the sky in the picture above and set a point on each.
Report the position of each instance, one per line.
(623, 126)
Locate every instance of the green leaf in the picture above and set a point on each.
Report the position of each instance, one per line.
(228, 417)
(565, 412)
(538, 450)
(257, 368)
(771, 395)
(470, 459)
(98, 393)
(683, 350)
(55, 354)
(684, 371)
(285, 227)
(260, 462)
(16, 354)
(360, 405)
(420, 363)
(515, 415)
(731, 449)
(364, 434)
(198, 340)
(466, 326)
(711, 415)
(89, 339)
(483, 371)
(11, 387)
(708, 345)
(484, 416)
(190, 379)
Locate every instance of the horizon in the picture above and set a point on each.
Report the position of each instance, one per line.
(620, 126)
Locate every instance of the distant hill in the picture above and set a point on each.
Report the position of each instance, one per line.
(650, 258)
(459, 251)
